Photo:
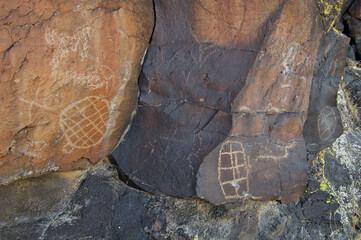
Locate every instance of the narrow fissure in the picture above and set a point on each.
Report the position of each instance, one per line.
(122, 176)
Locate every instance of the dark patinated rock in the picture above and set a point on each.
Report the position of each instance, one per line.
(252, 167)
(355, 9)
(323, 123)
(217, 74)
(188, 82)
(354, 31)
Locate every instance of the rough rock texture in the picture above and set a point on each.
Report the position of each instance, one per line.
(353, 24)
(355, 9)
(96, 205)
(68, 72)
(218, 76)
(352, 82)
(323, 124)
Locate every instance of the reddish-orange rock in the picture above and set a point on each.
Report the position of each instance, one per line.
(69, 72)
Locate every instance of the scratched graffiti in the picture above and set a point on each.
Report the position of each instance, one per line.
(75, 47)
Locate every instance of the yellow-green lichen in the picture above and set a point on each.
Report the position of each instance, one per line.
(325, 184)
(328, 7)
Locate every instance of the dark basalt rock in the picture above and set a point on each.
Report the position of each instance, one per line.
(254, 168)
(323, 123)
(95, 204)
(187, 87)
(353, 26)
(355, 9)
(220, 75)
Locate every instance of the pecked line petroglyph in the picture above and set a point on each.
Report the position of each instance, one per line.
(234, 168)
(52, 102)
(279, 157)
(84, 123)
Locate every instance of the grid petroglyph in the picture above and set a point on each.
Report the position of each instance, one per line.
(84, 123)
(233, 170)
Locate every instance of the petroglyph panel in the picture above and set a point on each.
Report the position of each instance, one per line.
(252, 168)
(69, 78)
(75, 47)
(84, 123)
(233, 58)
(323, 125)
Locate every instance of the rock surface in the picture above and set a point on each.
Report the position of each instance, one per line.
(69, 74)
(94, 204)
(352, 81)
(323, 124)
(355, 9)
(222, 75)
(353, 23)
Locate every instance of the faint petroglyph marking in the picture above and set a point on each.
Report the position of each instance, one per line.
(95, 78)
(66, 49)
(32, 149)
(288, 59)
(193, 59)
(233, 170)
(52, 102)
(326, 123)
(223, 29)
(84, 123)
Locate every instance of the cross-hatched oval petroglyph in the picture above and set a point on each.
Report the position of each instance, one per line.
(326, 123)
(233, 170)
(84, 123)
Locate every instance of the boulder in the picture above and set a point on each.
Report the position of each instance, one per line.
(224, 95)
(323, 124)
(69, 74)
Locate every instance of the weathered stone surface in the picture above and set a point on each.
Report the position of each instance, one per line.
(323, 124)
(222, 74)
(69, 74)
(29, 206)
(354, 31)
(355, 9)
(352, 81)
(96, 205)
